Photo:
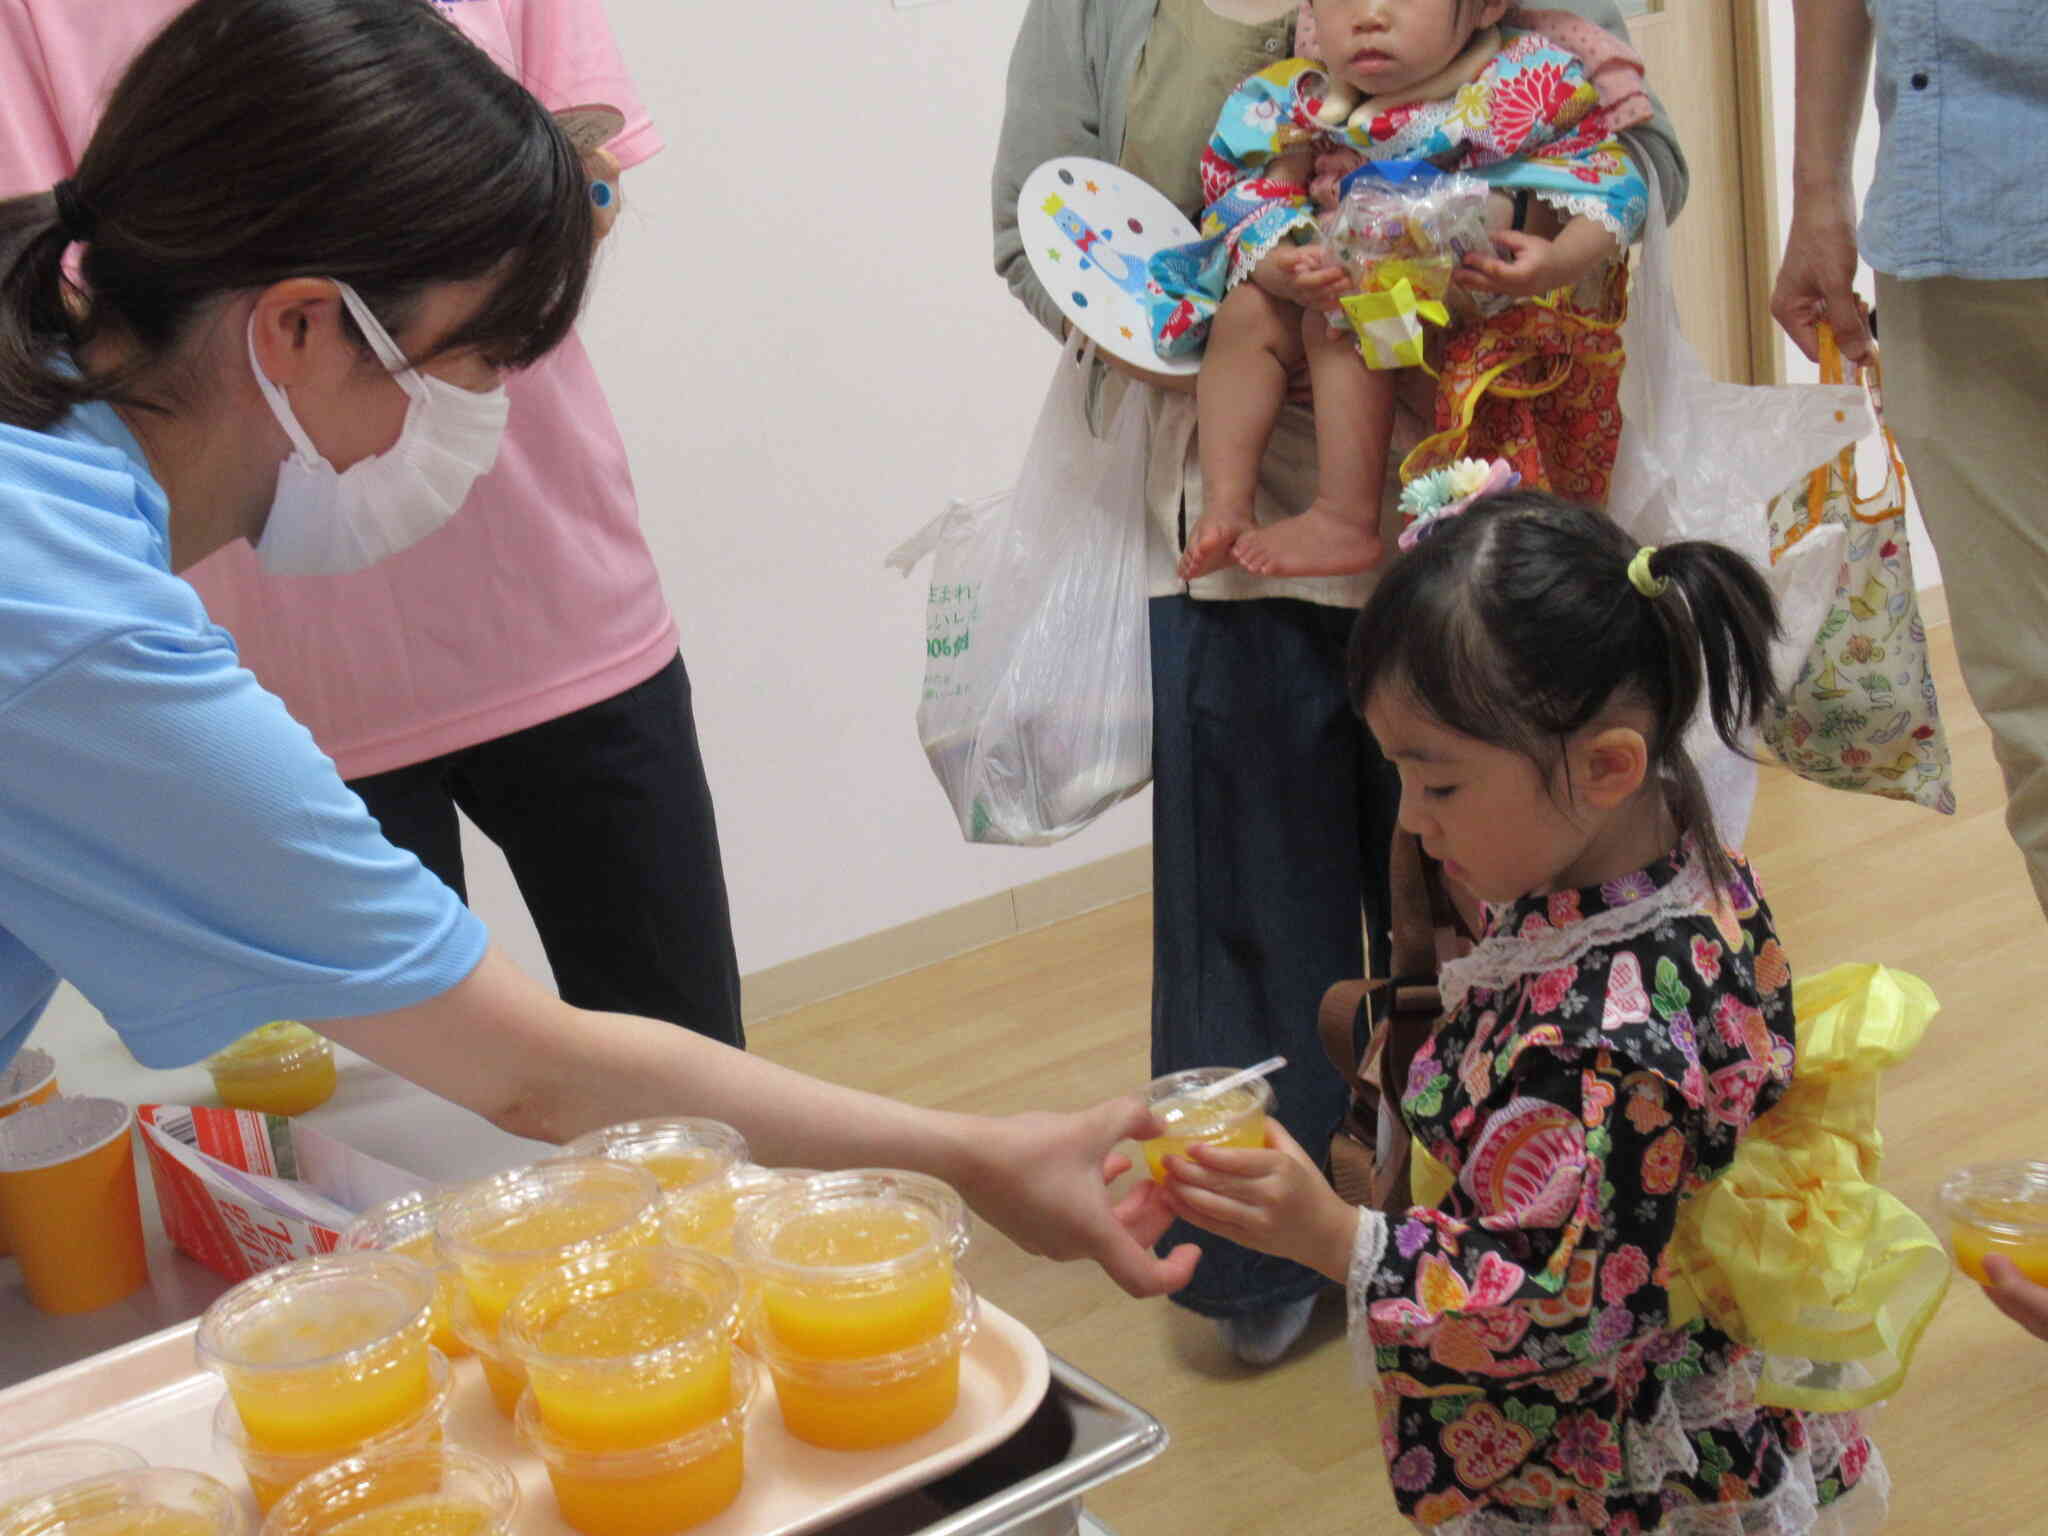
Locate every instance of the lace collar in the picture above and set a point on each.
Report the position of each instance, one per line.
(1536, 934)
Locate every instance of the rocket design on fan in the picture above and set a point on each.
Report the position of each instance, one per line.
(1133, 277)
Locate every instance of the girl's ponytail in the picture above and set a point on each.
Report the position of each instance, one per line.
(1727, 622)
(37, 389)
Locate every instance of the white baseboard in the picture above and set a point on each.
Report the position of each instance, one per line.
(928, 940)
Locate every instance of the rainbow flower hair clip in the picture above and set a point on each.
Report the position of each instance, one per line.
(1427, 500)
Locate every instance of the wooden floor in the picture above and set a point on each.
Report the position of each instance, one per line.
(1059, 1017)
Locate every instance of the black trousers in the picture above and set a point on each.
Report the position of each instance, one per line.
(1272, 815)
(605, 817)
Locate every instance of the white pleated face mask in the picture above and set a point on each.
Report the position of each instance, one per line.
(325, 521)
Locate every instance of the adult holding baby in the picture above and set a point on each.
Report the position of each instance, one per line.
(1272, 809)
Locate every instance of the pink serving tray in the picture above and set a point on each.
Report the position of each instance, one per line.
(151, 1395)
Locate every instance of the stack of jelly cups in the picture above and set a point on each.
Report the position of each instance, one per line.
(437, 1492)
(157, 1500)
(634, 1398)
(323, 1357)
(692, 1160)
(506, 1232)
(854, 1304)
(406, 1225)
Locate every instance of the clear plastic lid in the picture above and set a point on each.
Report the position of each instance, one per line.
(285, 1466)
(337, 1312)
(1171, 1102)
(397, 1224)
(45, 1468)
(627, 1466)
(696, 1294)
(167, 1499)
(814, 1233)
(869, 1371)
(2009, 1200)
(270, 1049)
(681, 1152)
(362, 1484)
(560, 1209)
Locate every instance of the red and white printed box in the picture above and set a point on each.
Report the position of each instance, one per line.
(243, 1192)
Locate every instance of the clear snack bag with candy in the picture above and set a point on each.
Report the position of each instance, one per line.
(1408, 213)
(1401, 228)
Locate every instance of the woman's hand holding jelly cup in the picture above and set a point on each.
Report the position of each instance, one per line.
(2016, 1296)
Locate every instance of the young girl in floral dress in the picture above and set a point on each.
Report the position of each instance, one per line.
(1573, 1329)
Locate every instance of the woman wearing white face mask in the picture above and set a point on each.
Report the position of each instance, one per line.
(312, 234)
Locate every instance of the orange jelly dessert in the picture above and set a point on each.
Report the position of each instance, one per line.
(323, 1354)
(628, 1350)
(148, 1501)
(282, 1068)
(506, 1232)
(1998, 1208)
(406, 1226)
(1235, 1118)
(655, 1490)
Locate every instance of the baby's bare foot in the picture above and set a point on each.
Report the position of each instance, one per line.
(1324, 541)
(1210, 543)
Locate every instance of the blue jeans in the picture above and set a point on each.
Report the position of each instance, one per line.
(1272, 814)
(605, 818)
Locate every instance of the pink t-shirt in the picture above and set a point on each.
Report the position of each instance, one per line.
(540, 596)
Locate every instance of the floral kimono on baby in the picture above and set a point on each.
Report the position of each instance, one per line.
(1536, 384)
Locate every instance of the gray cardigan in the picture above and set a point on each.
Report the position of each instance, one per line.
(1069, 92)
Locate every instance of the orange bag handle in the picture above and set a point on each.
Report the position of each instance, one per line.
(1835, 369)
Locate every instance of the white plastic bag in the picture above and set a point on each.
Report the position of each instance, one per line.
(1037, 708)
(1702, 459)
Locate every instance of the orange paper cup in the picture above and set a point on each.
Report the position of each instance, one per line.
(28, 1080)
(68, 1201)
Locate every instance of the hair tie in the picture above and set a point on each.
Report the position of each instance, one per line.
(1640, 577)
(73, 217)
(1428, 500)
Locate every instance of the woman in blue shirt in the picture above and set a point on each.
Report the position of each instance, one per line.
(310, 238)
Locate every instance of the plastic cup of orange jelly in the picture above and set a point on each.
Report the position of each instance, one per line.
(320, 1355)
(1234, 1119)
(42, 1469)
(433, 1492)
(272, 1474)
(280, 1068)
(694, 1162)
(853, 1264)
(406, 1226)
(1999, 1208)
(627, 1350)
(147, 1501)
(880, 1400)
(69, 1203)
(654, 1490)
(505, 1232)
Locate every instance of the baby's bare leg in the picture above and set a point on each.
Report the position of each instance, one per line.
(1340, 532)
(1254, 344)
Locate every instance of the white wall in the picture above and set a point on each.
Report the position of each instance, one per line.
(1870, 457)
(809, 353)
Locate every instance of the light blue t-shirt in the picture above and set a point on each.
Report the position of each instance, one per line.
(171, 841)
(1962, 159)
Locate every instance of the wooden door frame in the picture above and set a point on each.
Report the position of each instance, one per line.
(1755, 131)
